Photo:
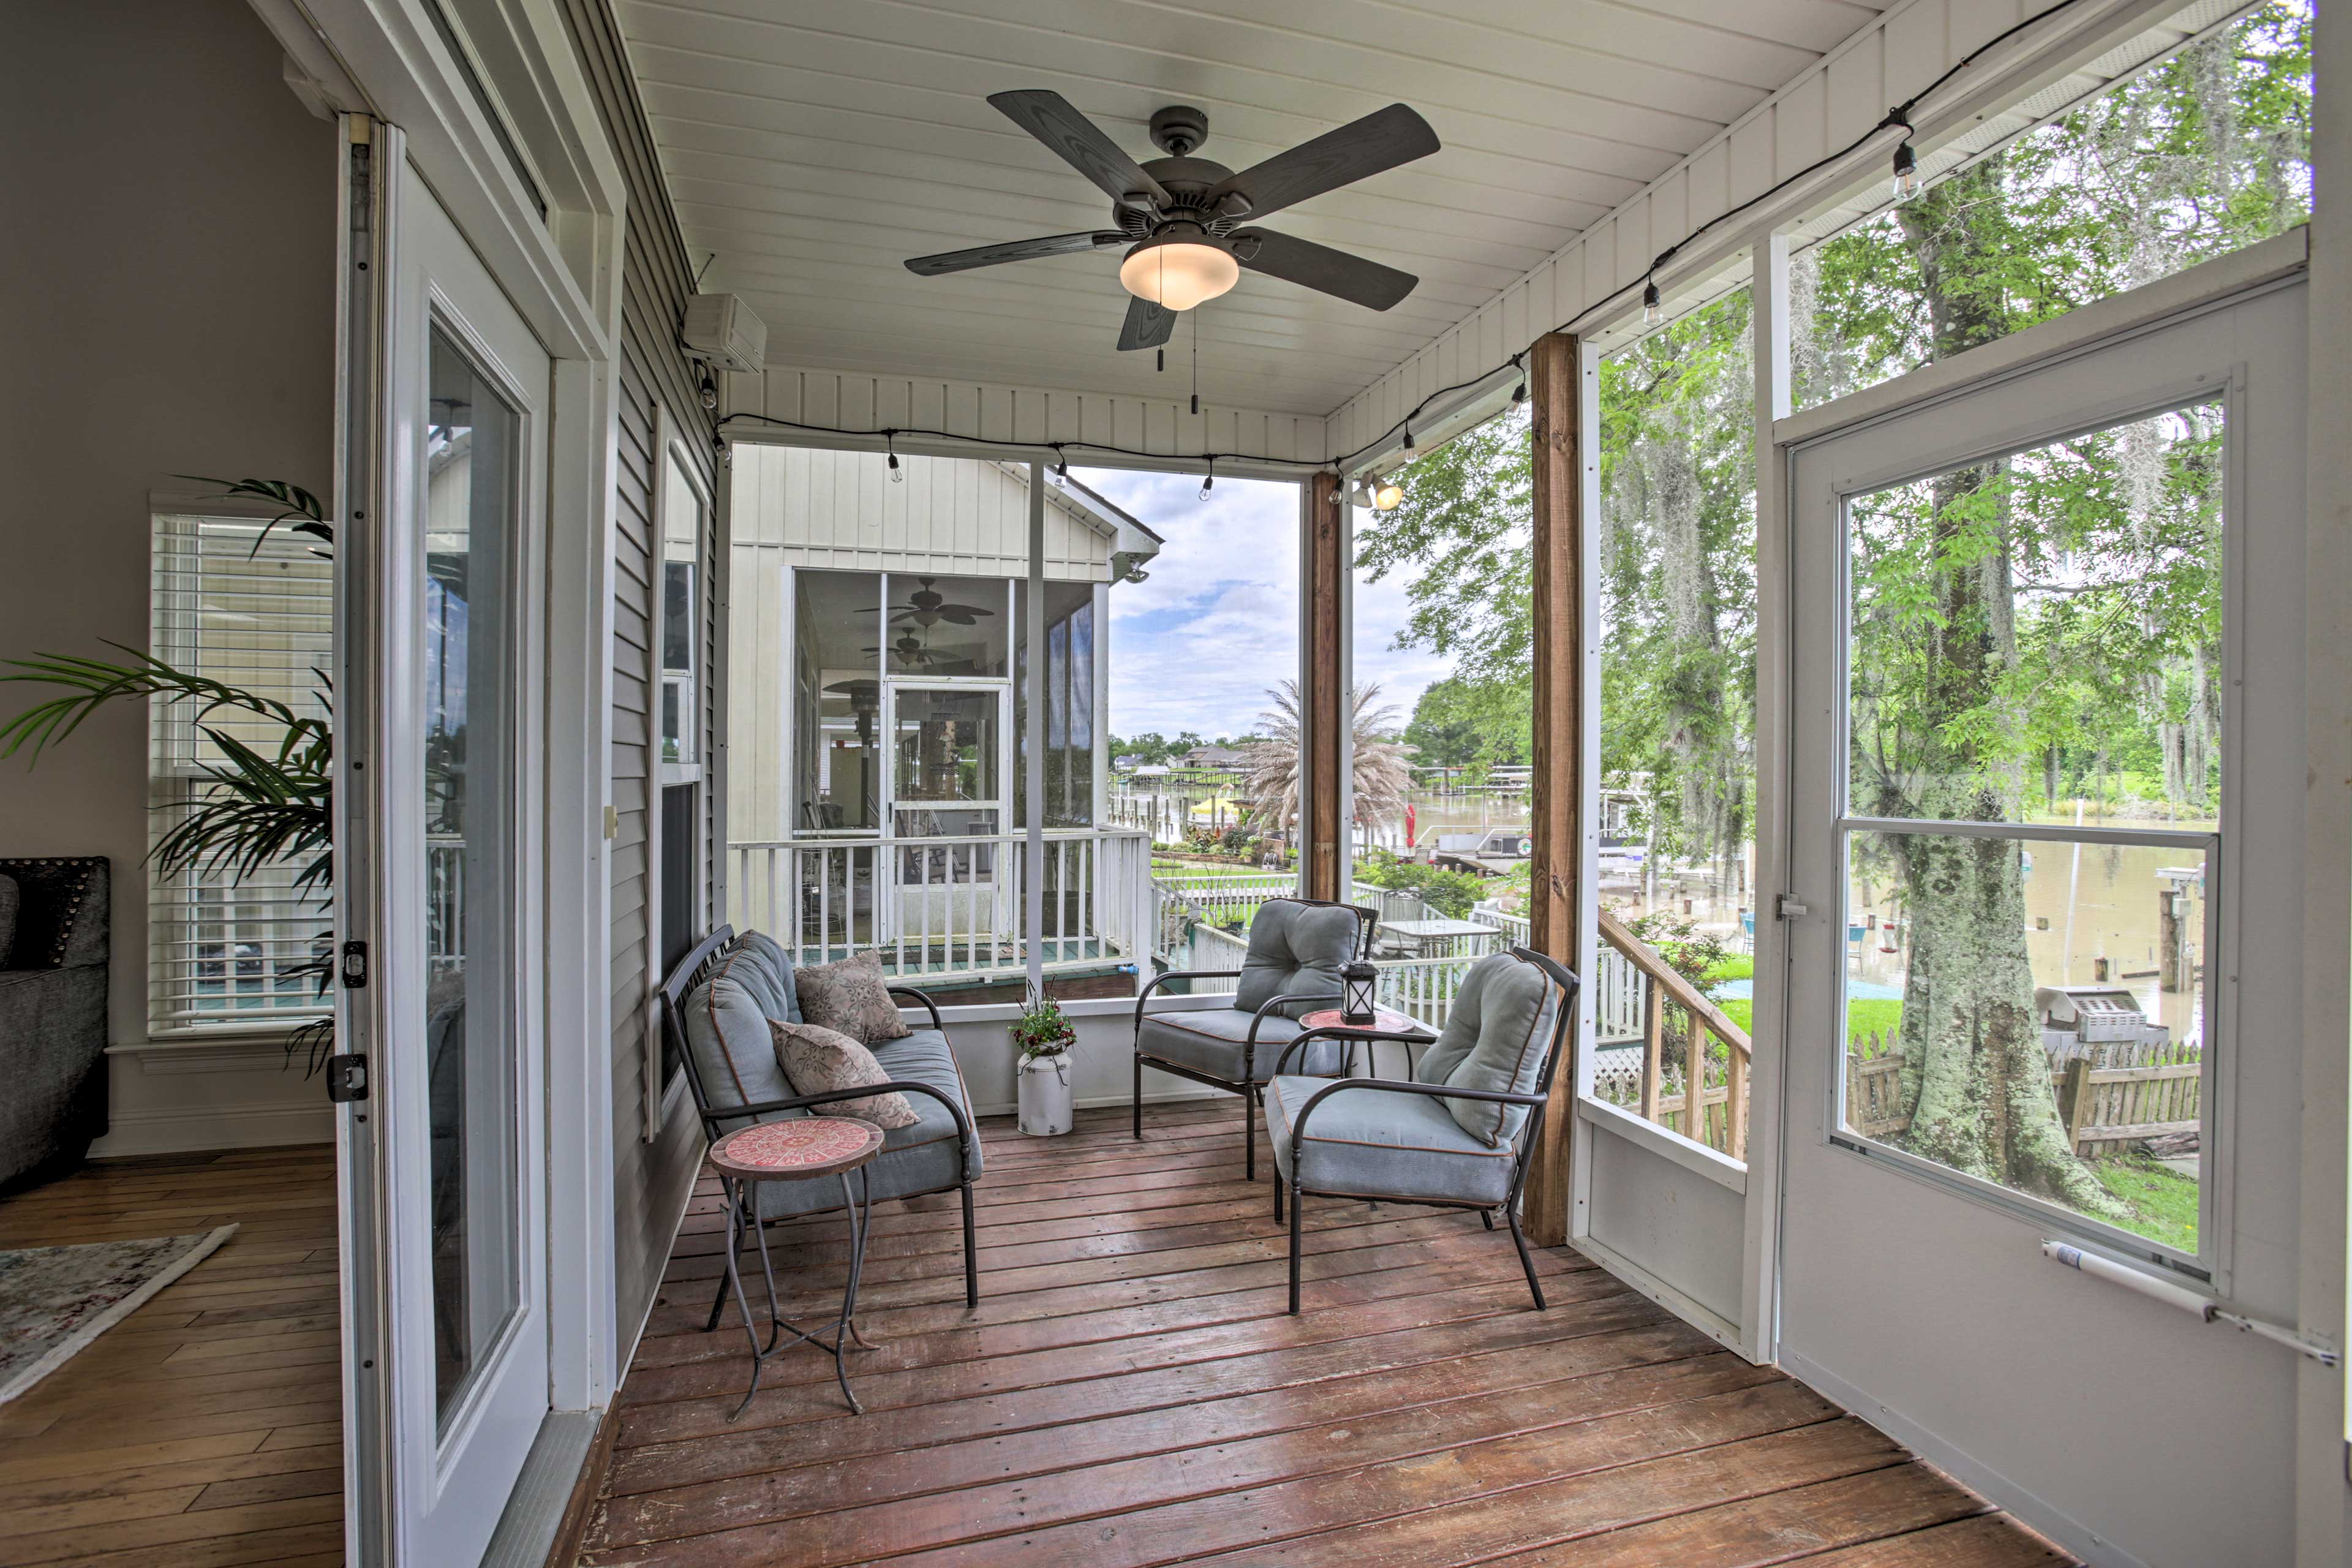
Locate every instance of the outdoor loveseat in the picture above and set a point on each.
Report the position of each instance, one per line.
(715, 1008)
(1296, 949)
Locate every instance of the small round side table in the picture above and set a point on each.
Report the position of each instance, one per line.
(1387, 1024)
(803, 1149)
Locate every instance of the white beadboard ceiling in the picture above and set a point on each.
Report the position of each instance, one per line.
(814, 144)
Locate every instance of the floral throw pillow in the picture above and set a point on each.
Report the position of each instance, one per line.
(853, 997)
(819, 1061)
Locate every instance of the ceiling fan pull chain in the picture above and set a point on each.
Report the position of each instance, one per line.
(1196, 361)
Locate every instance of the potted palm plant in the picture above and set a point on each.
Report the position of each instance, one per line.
(1044, 1033)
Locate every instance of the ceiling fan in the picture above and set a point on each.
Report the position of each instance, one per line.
(1180, 213)
(927, 608)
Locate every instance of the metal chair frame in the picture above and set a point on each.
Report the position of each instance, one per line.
(1253, 1093)
(1563, 1023)
(690, 971)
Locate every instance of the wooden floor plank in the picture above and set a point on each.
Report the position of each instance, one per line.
(1131, 1392)
(204, 1430)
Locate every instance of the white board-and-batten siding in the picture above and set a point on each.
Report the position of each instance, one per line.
(948, 517)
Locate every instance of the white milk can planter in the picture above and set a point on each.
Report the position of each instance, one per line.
(1044, 1085)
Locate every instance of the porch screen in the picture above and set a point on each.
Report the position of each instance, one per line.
(255, 613)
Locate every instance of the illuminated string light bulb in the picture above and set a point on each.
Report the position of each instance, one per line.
(1906, 172)
(1652, 312)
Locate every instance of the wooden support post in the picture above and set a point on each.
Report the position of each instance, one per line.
(1558, 786)
(1653, 1048)
(1734, 1104)
(1324, 726)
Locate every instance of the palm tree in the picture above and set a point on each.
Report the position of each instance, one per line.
(1270, 776)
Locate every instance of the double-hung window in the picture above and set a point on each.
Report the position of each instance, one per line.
(256, 613)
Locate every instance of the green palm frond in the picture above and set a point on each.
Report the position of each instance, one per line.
(298, 508)
(92, 683)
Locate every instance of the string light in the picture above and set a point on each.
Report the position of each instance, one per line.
(1061, 462)
(1906, 172)
(1520, 393)
(897, 475)
(718, 446)
(709, 390)
(1651, 312)
(1209, 481)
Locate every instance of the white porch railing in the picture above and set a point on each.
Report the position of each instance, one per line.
(1617, 987)
(946, 905)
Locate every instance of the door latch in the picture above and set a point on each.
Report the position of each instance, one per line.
(1789, 907)
(355, 969)
(347, 1079)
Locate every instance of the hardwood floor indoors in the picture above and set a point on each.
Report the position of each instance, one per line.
(1130, 1392)
(205, 1429)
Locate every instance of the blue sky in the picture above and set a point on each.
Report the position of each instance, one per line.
(1196, 645)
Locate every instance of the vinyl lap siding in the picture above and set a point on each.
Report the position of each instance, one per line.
(649, 1179)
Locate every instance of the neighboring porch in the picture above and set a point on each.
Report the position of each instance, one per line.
(1130, 1392)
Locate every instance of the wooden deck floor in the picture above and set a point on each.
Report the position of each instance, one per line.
(1129, 1392)
(205, 1429)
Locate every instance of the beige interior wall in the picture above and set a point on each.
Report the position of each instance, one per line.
(175, 315)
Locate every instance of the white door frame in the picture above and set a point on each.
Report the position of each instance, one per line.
(385, 59)
(2113, 361)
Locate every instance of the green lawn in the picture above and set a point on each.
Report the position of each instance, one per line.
(1864, 1019)
(2163, 1202)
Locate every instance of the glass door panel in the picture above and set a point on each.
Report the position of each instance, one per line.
(946, 771)
(472, 490)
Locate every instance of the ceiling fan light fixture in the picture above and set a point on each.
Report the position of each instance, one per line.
(1180, 270)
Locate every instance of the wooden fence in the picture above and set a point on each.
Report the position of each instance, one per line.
(2116, 1092)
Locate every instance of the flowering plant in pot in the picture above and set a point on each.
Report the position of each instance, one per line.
(1045, 1034)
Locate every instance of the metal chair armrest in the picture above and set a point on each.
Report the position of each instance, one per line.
(1367, 1035)
(928, 1005)
(1157, 980)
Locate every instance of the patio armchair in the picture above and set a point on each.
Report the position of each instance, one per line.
(1454, 1135)
(1296, 949)
(715, 1008)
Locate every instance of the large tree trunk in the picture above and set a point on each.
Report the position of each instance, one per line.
(1973, 1071)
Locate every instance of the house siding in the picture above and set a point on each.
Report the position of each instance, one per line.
(650, 1177)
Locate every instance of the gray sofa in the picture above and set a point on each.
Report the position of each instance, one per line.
(52, 1012)
(715, 1010)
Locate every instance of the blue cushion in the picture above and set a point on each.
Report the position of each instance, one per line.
(1496, 1034)
(1381, 1143)
(769, 972)
(726, 1024)
(1212, 1041)
(1296, 949)
(920, 1157)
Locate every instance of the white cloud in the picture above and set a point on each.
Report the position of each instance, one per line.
(1196, 645)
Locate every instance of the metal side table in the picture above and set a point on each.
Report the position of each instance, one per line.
(802, 1149)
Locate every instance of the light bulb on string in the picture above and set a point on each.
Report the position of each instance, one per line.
(897, 474)
(1061, 462)
(709, 390)
(1652, 312)
(1209, 480)
(1906, 172)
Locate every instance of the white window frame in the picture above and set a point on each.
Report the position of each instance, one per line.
(174, 923)
(660, 1091)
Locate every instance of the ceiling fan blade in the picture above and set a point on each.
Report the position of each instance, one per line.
(1052, 119)
(1013, 250)
(1148, 325)
(1355, 151)
(1322, 269)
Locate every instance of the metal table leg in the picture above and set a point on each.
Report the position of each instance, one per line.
(859, 1207)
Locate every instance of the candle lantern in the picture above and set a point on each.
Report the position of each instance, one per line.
(1359, 988)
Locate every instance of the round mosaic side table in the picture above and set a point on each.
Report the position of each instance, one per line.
(803, 1149)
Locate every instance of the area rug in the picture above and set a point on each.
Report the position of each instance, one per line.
(54, 1301)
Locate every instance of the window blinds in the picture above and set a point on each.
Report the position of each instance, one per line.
(257, 614)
